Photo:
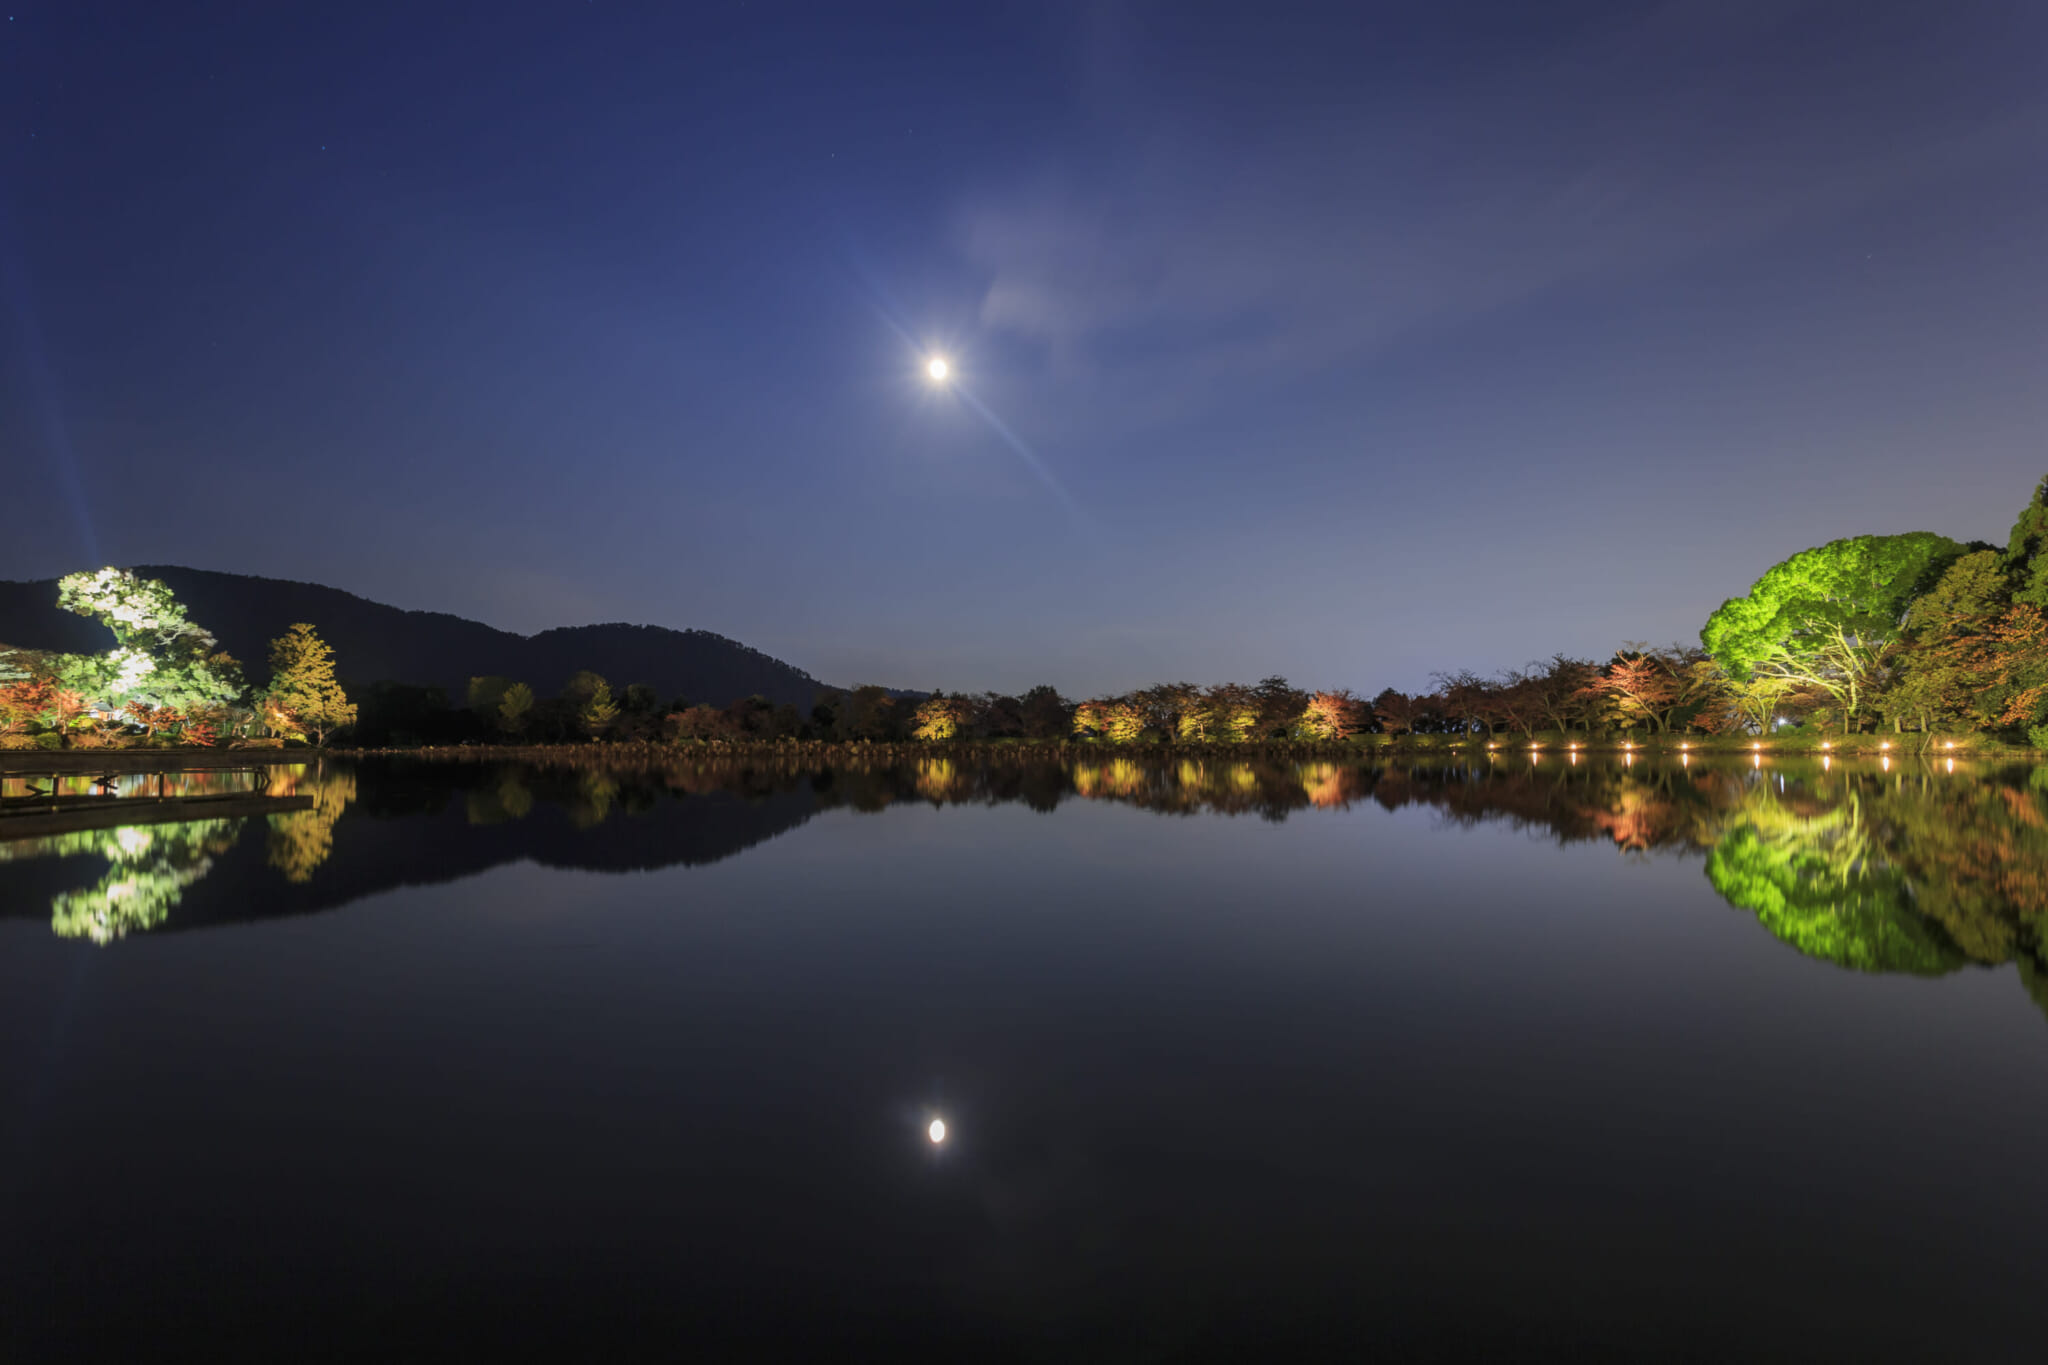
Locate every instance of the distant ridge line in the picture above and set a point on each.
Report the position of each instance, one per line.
(376, 642)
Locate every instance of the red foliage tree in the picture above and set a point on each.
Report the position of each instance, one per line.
(1333, 715)
(1641, 684)
(22, 703)
(153, 719)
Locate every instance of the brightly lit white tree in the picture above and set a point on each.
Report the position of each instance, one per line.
(161, 657)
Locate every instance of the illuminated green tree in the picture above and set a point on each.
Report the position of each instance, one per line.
(303, 690)
(160, 656)
(143, 613)
(1829, 618)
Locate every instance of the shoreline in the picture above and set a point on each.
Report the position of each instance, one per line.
(660, 754)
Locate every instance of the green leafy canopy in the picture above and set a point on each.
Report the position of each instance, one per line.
(160, 657)
(1857, 588)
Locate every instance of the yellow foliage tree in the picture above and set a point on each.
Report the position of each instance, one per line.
(303, 692)
(939, 718)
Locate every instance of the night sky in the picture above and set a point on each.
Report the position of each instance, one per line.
(1347, 342)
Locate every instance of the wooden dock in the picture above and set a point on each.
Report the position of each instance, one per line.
(39, 817)
(41, 762)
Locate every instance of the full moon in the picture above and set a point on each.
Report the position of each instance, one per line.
(938, 1129)
(938, 369)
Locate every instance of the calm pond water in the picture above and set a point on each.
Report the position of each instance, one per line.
(1724, 1060)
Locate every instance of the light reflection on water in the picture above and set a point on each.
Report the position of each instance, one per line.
(151, 866)
(1075, 1054)
(1924, 869)
(182, 782)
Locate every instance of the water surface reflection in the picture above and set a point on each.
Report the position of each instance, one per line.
(1233, 1060)
(1915, 867)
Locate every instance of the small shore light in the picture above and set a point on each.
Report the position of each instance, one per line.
(937, 1132)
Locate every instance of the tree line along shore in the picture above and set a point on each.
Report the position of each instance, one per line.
(1909, 642)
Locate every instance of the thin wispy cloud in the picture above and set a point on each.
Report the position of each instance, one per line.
(1278, 248)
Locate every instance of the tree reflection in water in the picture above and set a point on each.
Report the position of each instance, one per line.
(1895, 868)
(1814, 875)
(1904, 868)
(300, 841)
(150, 867)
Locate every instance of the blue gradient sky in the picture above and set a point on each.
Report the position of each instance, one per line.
(1348, 342)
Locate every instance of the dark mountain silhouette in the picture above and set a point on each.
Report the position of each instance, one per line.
(378, 643)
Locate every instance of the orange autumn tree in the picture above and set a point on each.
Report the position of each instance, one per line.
(153, 719)
(1638, 686)
(25, 702)
(2007, 665)
(1332, 715)
(201, 727)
